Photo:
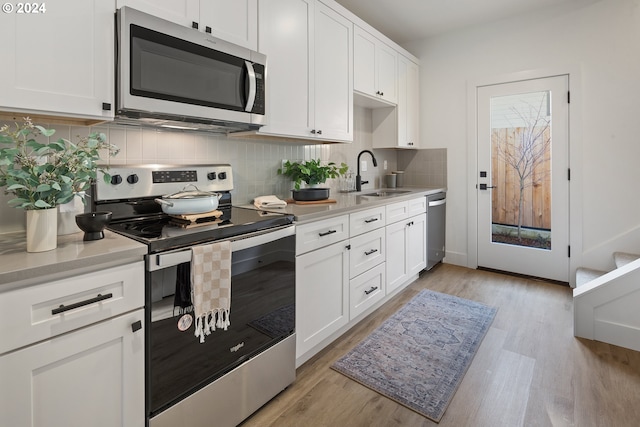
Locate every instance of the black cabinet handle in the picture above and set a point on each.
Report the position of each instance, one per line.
(106, 106)
(372, 251)
(320, 132)
(313, 131)
(409, 224)
(327, 233)
(207, 29)
(371, 290)
(194, 25)
(136, 326)
(368, 221)
(64, 308)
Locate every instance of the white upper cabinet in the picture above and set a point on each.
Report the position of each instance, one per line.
(235, 21)
(183, 12)
(408, 103)
(375, 67)
(309, 70)
(59, 62)
(333, 82)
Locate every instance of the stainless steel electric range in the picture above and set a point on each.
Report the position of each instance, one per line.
(234, 372)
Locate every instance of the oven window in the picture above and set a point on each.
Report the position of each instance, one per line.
(207, 77)
(262, 314)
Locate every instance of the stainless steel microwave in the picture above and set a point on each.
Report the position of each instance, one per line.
(174, 76)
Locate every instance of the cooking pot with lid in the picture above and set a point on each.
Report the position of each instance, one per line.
(189, 202)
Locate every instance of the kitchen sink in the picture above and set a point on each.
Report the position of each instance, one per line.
(386, 193)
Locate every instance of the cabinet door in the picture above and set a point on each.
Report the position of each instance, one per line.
(386, 70)
(408, 103)
(285, 28)
(375, 66)
(91, 377)
(364, 62)
(183, 12)
(233, 20)
(333, 78)
(416, 244)
(59, 62)
(396, 236)
(322, 295)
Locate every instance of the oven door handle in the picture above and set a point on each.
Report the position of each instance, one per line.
(169, 259)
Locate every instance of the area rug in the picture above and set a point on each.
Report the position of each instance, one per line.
(419, 355)
(277, 323)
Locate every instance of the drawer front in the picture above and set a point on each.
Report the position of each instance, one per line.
(318, 234)
(365, 290)
(371, 219)
(397, 212)
(367, 251)
(417, 206)
(39, 312)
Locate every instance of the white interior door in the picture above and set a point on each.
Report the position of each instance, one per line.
(523, 182)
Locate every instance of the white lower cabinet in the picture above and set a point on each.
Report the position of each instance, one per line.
(91, 377)
(322, 295)
(366, 289)
(406, 250)
(347, 265)
(74, 351)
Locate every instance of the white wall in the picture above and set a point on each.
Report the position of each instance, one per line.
(599, 39)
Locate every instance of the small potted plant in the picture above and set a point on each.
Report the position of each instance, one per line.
(43, 175)
(312, 172)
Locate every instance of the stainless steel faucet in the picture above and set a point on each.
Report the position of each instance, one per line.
(359, 181)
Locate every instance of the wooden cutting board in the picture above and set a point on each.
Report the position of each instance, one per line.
(311, 202)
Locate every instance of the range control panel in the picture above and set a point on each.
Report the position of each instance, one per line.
(136, 181)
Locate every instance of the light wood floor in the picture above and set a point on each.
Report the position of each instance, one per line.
(529, 371)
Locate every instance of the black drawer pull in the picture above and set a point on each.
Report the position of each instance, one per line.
(371, 290)
(64, 308)
(327, 233)
(370, 220)
(372, 251)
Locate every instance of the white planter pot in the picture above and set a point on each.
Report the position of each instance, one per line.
(67, 216)
(42, 230)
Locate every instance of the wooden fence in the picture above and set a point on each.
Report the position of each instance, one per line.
(536, 208)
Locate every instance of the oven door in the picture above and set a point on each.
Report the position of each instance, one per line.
(262, 314)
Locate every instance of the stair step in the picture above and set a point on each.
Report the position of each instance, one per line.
(623, 258)
(585, 275)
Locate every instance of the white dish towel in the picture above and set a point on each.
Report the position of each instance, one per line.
(211, 287)
(270, 201)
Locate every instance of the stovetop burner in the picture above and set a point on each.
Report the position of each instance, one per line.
(159, 234)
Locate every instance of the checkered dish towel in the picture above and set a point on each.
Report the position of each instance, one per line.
(211, 287)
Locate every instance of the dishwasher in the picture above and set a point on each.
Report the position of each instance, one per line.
(436, 213)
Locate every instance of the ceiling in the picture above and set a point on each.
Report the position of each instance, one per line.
(408, 20)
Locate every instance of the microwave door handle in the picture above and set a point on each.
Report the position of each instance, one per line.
(251, 75)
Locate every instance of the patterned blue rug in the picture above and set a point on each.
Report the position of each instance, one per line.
(419, 355)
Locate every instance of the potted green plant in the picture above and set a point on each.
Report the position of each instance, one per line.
(312, 172)
(44, 175)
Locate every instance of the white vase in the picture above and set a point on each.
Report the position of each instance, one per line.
(67, 216)
(42, 230)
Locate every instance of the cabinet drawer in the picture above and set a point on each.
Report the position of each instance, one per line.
(371, 219)
(397, 212)
(417, 206)
(321, 233)
(43, 311)
(367, 251)
(366, 289)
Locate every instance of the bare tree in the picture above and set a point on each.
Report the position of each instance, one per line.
(526, 153)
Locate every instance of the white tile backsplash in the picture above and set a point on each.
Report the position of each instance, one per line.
(255, 161)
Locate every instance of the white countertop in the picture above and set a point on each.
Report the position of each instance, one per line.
(350, 202)
(72, 256)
